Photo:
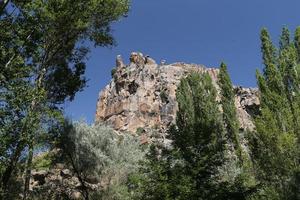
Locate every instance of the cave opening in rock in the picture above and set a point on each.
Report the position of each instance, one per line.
(132, 87)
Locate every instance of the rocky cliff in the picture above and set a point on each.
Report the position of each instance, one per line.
(142, 95)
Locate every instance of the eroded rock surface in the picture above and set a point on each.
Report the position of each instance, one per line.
(59, 181)
(142, 94)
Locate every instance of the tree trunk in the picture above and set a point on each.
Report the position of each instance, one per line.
(3, 5)
(28, 172)
(12, 165)
(84, 188)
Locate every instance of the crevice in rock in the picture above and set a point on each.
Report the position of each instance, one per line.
(164, 96)
(119, 86)
(132, 87)
(253, 110)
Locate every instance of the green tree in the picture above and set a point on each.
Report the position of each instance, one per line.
(284, 41)
(42, 63)
(189, 170)
(275, 146)
(229, 110)
(271, 73)
(161, 176)
(199, 134)
(297, 41)
(238, 168)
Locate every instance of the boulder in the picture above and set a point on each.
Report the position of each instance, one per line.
(66, 173)
(39, 176)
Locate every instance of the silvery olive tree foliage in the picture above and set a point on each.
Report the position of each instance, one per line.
(98, 152)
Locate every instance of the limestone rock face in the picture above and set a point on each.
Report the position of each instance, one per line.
(143, 95)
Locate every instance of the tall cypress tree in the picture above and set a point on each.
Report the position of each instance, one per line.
(269, 53)
(297, 41)
(190, 169)
(274, 147)
(199, 135)
(196, 166)
(275, 93)
(229, 109)
(284, 41)
(243, 183)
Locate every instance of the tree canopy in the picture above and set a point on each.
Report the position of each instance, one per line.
(42, 63)
(275, 144)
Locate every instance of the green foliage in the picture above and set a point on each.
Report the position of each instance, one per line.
(201, 164)
(284, 41)
(189, 170)
(160, 178)
(113, 71)
(199, 133)
(43, 161)
(297, 42)
(139, 130)
(267, 48)
(229, 109)
(238, 169)
(275, 145)
(42, 65)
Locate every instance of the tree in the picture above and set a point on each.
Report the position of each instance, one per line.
(275, 146)
(42, 63)
(272, 76)
(161, 176)
(238, 167)
(199, 134)
(189, 170)
(98, 151)
(284, 41)
(297, 41)
(229, 110)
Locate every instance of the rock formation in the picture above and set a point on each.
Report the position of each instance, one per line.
(60, 181)
(143, 95)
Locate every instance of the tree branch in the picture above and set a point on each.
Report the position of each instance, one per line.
(3, 5)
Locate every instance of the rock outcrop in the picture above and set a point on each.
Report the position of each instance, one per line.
(142, 94)
(60, 182)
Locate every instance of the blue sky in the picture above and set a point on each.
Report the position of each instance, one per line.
(193, 31)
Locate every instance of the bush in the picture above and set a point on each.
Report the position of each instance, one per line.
(98, 151)
(113, 71)
(139, 130)
(43, 161)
